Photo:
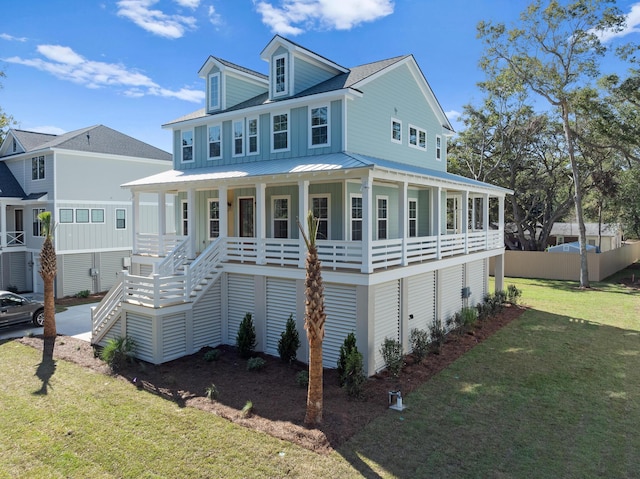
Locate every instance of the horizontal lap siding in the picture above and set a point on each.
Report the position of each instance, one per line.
(450, 283)
(387, 316)
(476, 273)
(281, 302)
(422, 301)
(341, 311)
(174, 336)
(207, 318)
(241, 300)
(140, 328)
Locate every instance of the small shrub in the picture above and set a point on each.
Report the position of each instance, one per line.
(348, 345)
(484, 311)
(468, 317)
(500, 299)
(247, 409)
(212, 392)
(454, 322)
(513, 294)
(419, 340)
(289, 341)
(212, 355)
(256, 364)
(436, 336)
(83, 294)
(246, 337)
(117, 352)
(393, 356)
(354, 377)
(302, 379)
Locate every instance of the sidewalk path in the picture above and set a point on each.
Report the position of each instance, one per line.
(75, 321)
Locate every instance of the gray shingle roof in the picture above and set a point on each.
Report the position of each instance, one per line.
(31, 140)
(9, 186)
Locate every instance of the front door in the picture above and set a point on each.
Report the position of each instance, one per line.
(245, 205)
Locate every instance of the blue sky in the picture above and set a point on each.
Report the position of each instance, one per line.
(132, 64)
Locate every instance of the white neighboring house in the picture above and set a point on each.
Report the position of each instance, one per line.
(606, 236)
(76, 176)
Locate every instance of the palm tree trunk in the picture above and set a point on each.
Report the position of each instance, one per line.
(313, 415)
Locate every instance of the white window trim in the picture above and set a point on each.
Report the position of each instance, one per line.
(273, 214)
(234, 153)
(209, 219)
(88, 210)
(126, 221)
(351, 218)
(378, 219)
(182, 218)
(60, 216)
(272, 133)
(409, 219)
(438, 149)
(418, 130)
(182, 147)
(215, 106)
(393, 140)
(38, 159)
(328, 125)
(219, 125)
(97, 222)
(285, 91)
(257, 135)
(328, 197)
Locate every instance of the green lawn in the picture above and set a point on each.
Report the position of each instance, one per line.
(554, 394)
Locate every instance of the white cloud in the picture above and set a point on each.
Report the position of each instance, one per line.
(11, 38)
(156, 21)
(214, 17)
(64, 63)
(192, 4)
(293, 17)
(49, 129)
(632, 21)
(453, 115)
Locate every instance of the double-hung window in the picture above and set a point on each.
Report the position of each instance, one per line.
(252, 136)
(185, 218)
(214, 91)
(319, 122)
(320, 210)
(37, 224)
(215, 142)
(413, 218)
(382, 217)
(396, 130)
(187, 146)
(280, 132)
(417, 138)
(238, 138)
(37, 168)
(280, 75)
(356, 218)
(438, 148)
(214, 219)
(281, 217)
(121, 219)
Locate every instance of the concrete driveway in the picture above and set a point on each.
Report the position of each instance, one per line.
(75, 321)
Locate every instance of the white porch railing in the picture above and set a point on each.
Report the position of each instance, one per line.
(174, 261)
(15, 238)
(151, 244)
(340, 254)
(205, 266)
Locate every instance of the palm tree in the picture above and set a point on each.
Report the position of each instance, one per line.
(48, 270)
(314, 318)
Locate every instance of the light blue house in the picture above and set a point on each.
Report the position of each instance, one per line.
(402, 242)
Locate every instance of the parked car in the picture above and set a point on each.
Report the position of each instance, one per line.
(18, 309)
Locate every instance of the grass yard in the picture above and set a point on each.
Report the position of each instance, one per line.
(554, 394)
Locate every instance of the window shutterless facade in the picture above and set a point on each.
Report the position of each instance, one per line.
(238, 138)
(97, 215)
(320, 210)
(438, 148)
(319, 123)
(396, 130)
(214, 219)
(280, 214)
(413, 218)
(356, 218)
(214, 91)
(82, 215)
(215, 142)
(187, 146)
(37, 168)
(280, 67)
(37, 224)
(280, 132)
(252, 136)
(121, 219)
(417, 138)
(382, 203)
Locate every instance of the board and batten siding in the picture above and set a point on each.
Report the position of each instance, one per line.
(282, 301)
(308, 75)
(476, 279)
(73, 237)
(421, 300)
(387, 317)
(174, 336)
(341, 313)
(241, 300)
(207, 318)
(450, 283)
(237, 90)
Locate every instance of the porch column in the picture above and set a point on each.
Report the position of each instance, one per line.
(367, 226)
(135, 212)
(191, 194)
(303, 210)
(261, 221)
(465, 220)
(403, 208)
(223, 210)
(498, 272)
(437, 223)
(485, 220)
(501, 213)
(162, 219)
(3, 225)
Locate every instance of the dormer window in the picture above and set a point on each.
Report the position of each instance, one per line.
(214, 91)
(280, 83)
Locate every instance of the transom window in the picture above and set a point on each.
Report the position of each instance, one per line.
(121, 218)
(280, 129)
(214, 91)
(382, 217)
(280, 73)
(37, 168)
(252, 136)
(413, 218)
(214, 219)
(396, 131)
(417, 138)
(238, 138)
(320, 209)
(187, 146)
(215, 142)
(438, 148)
(281, 217)
(319, 122)
(356, 218)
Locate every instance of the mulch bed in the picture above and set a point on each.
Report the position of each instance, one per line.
(278, 402)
